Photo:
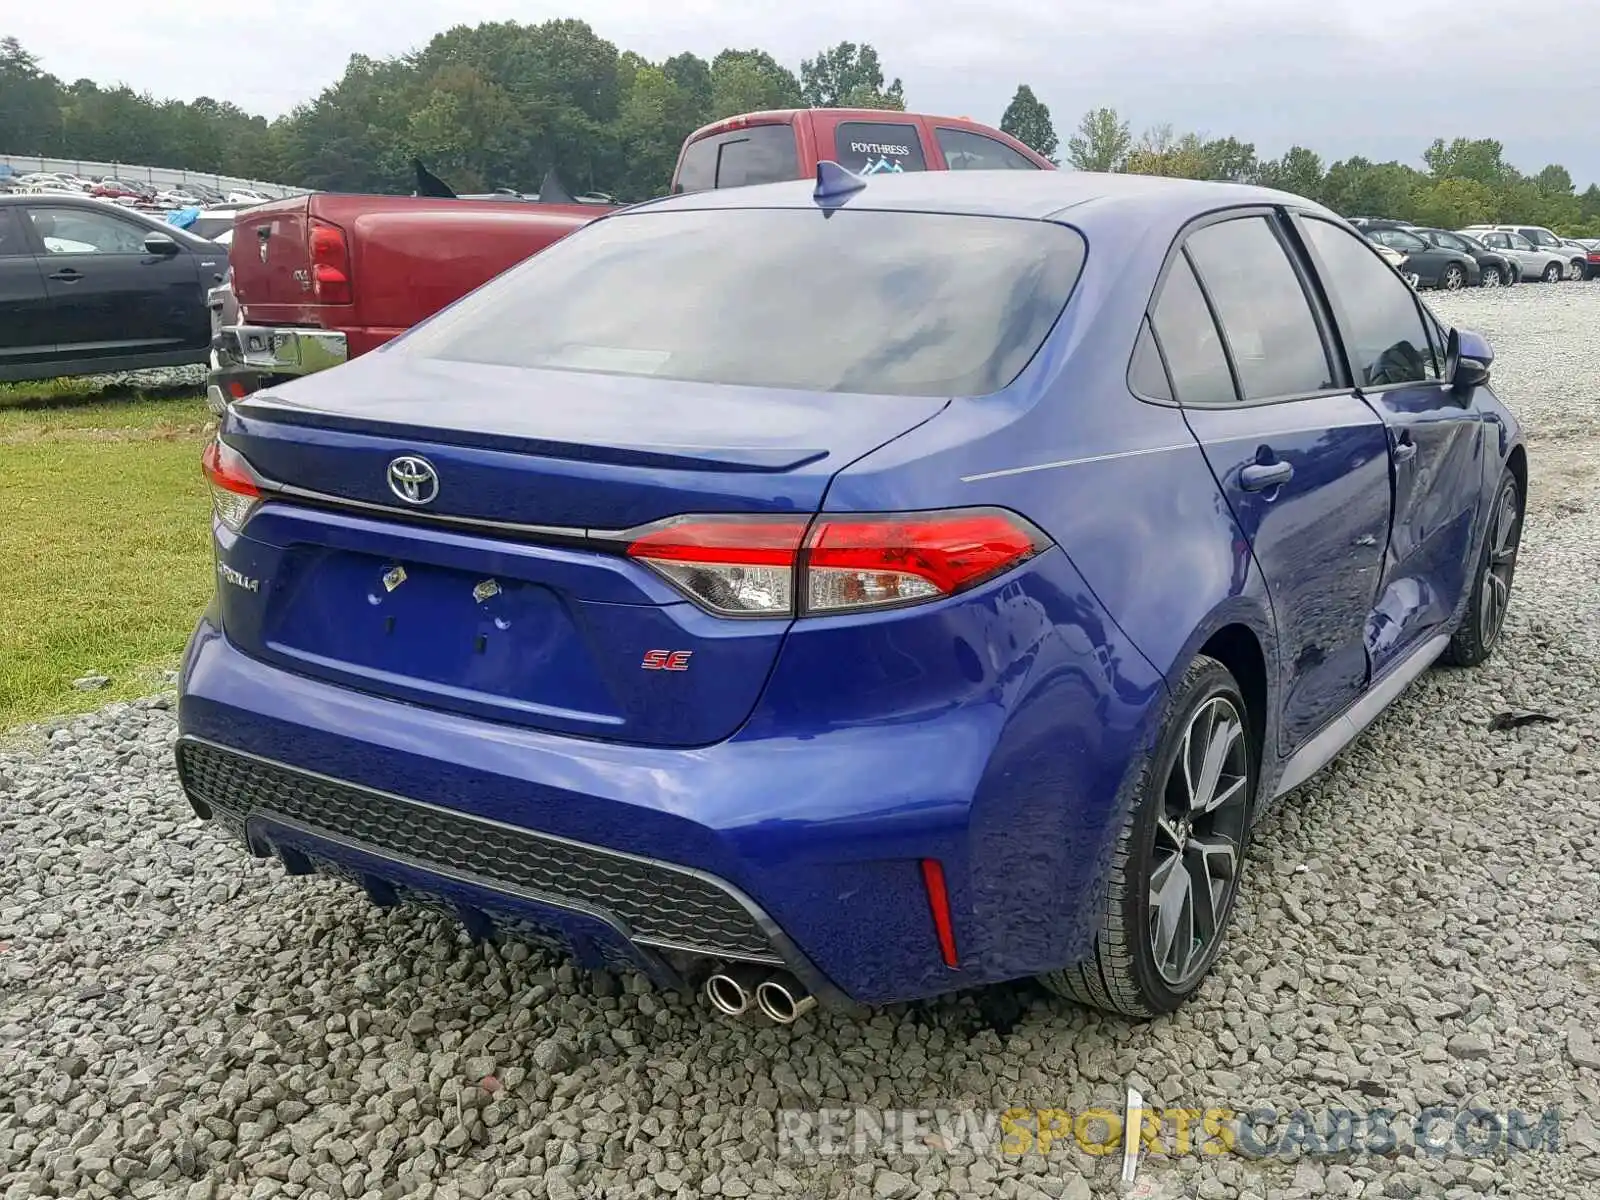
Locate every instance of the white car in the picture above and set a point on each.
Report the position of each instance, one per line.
(46, 182)
(1547, 239)
(1534, 261)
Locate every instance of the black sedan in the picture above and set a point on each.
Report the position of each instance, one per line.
(89, 286)
(1495, 269)
(1428, 264)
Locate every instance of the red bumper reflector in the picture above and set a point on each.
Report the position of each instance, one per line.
(939, 902)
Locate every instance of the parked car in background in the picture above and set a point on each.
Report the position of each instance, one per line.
(48, 184)
(1577, 265)
(323, 278)
(1427, 263)
(1532, 261)
(117, 189)
(1495, 269)
(87, 286)
(533, 613)
(1573, 266)
(1395, 259)
(1591, 248)
(1584, 267)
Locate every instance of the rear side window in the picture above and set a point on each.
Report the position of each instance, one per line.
(757, 154)
(964, 150)
(876, 147)
(856, 301)
(1189, 340)
(1146, 376)
(1277, 347)
(1384, 334)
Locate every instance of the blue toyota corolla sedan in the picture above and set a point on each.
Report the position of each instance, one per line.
(852, 591)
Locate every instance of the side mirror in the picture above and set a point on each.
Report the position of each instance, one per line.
(160, 245)
(1468, 357)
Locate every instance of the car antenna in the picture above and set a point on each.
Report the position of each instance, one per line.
(835, 182)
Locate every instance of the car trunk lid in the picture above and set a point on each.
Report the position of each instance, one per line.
(505, 594)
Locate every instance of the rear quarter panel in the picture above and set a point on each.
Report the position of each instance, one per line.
(1152, 565)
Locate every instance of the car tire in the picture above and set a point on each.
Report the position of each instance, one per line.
(1481, 625)
(1454, 278)
(1575, 272)
(1553, 273)
(1169, 836)
(1490, 278)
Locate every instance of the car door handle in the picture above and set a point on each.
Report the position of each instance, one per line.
(68, 275)
(1405, 451)
(1258, 477)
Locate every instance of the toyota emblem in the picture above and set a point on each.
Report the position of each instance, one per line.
(413, 479)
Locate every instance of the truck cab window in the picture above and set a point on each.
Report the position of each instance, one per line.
(755, 154)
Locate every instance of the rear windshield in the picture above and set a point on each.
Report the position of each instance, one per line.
(857, 301)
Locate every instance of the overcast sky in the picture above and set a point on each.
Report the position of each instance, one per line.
(1380, 78)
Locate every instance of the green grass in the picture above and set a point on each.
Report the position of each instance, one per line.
(105, 559)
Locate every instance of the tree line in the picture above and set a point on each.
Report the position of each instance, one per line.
(499, 104)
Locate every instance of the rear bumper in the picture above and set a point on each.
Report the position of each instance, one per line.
(283, 350)
(799, 841)
(606, 908)
(246, 358)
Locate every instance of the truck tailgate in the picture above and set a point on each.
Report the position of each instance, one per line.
(269, 256)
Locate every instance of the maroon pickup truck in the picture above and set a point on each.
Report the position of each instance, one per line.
(320, 278)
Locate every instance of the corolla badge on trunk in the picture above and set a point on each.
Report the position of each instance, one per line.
(413, 479)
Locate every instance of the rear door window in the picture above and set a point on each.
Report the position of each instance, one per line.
(82, 231)
(879, 147)
(740, 157)
(1277, 346)
(964, 150)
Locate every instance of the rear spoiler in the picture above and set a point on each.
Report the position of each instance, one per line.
(551, 191)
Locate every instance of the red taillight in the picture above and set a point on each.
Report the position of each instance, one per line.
(772, 566)
(874, 561)
(234, 490)
(330, 263)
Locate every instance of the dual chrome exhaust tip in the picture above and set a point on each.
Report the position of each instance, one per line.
(777, 995)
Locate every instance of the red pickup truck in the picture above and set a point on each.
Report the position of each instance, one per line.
(320, 278)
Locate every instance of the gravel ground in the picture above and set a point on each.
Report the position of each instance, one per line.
(1419, 929)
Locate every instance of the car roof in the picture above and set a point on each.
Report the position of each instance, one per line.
(1028, 194)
